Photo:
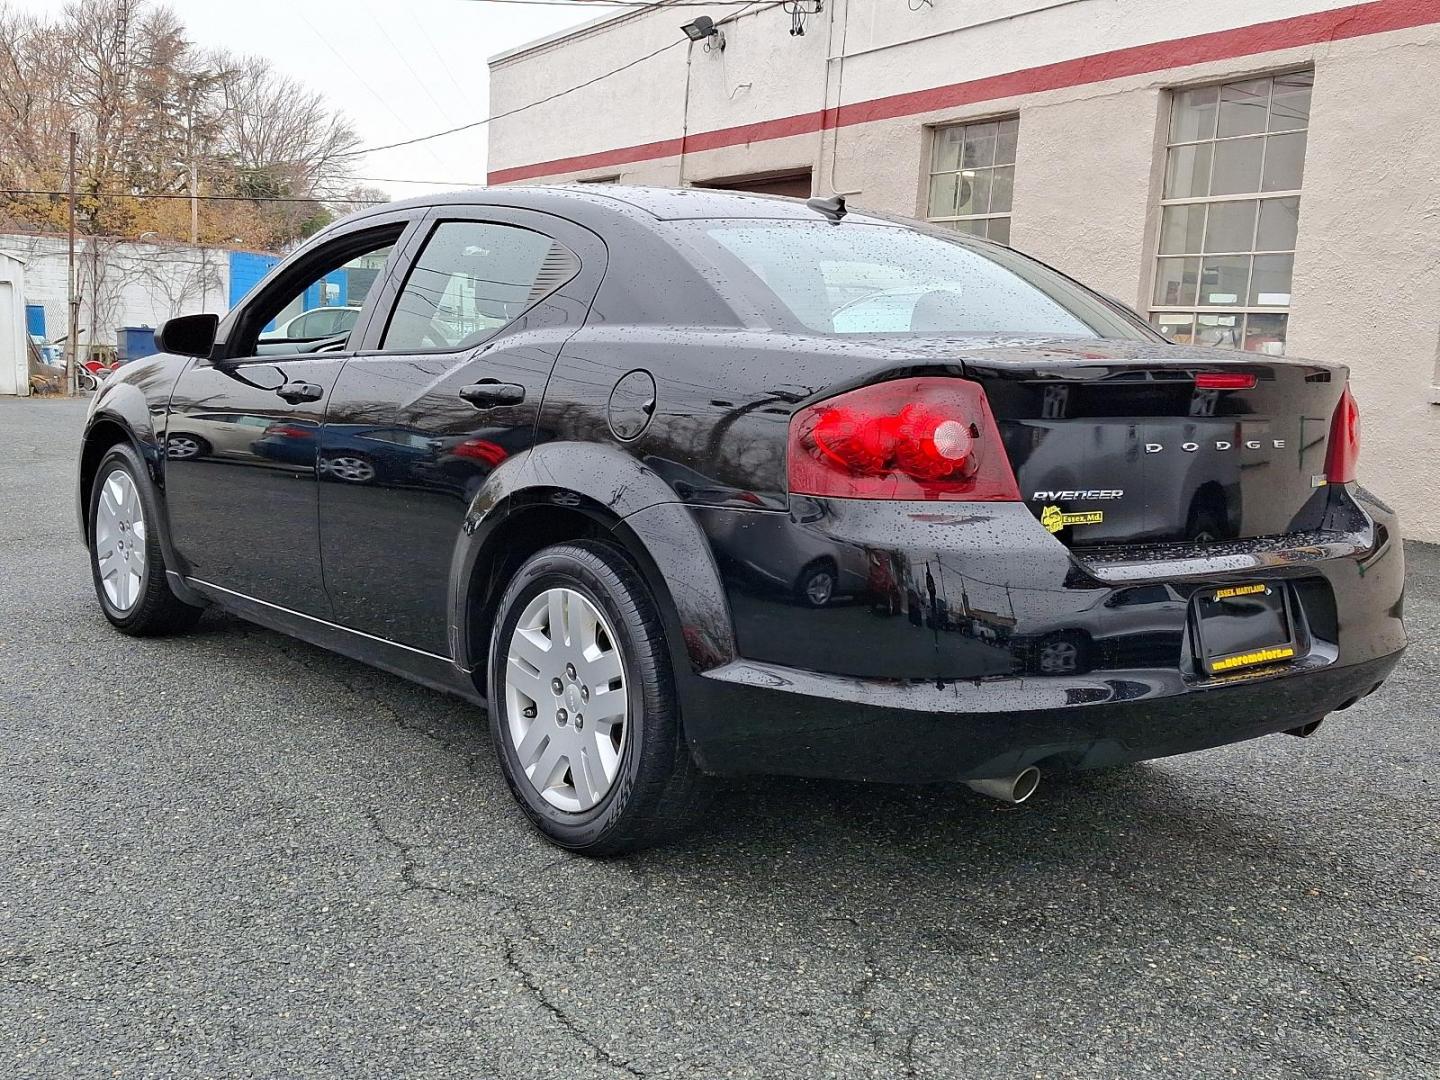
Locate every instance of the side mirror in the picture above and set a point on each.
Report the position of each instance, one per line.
(188, 335)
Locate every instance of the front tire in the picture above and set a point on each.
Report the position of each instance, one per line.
(583, 709)
(126, 560)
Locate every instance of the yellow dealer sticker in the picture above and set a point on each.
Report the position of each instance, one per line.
(1240, 590)
(1054, 519)
(1259, 656)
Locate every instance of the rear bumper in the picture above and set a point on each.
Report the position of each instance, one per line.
(806, 724)
(937, 669)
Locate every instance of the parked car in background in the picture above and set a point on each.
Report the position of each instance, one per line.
(222, 434)
(315, 325)
(353, 453)
(648, 474)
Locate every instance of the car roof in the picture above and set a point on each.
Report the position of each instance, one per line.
(656, 203)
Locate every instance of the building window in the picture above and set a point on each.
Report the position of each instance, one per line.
(972, 177)
(1230, 210)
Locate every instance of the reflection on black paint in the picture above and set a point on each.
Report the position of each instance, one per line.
(242, 514)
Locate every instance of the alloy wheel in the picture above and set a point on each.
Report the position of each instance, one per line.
(566, 700)
(819, 588)
(1060, 658)
(120, 541)
(354, 470)
(180, 447)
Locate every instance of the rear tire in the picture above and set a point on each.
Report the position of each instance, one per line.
(579, 616)
(126, 560)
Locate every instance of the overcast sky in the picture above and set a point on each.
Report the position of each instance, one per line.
(398, 68)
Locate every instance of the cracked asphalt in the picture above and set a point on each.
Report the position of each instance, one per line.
(230, 854)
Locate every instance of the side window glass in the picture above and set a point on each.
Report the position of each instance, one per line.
(324, 324)
(304, 317)
(471, 279)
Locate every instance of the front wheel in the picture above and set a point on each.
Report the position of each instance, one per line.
(583, 710)
(182, 447)
(351, 468)
(126, 560)
(816, 584)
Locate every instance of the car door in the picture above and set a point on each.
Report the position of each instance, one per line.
(446, 389)
(241, 434)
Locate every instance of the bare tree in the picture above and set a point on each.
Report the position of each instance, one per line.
(155, 114)
(357, 198)
(36, 115)
(276, 133)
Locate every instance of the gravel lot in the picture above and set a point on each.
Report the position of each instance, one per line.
(231, 854)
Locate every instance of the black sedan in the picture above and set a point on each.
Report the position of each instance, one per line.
(684, 483)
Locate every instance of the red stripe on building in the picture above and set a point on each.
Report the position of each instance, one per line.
(1358, 20)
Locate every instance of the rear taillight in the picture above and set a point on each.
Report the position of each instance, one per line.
(930, 438)
(287, 431)
(482, 450)
(1342, 455)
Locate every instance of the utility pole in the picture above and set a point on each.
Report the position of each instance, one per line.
(72, 356)
(194, 180)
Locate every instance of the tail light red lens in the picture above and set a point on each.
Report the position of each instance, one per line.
(1224, 380)
(482, 450)
(288, 431)
(926, 438)
(1342, 454)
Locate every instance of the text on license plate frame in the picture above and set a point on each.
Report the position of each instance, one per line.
(1272, 645)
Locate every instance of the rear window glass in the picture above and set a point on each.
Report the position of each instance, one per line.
(860, 279)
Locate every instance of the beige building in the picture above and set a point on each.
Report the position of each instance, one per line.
(1257, 174)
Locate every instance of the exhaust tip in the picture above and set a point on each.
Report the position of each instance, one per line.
(1025, 784)
(1304, 731)
(1011, 789)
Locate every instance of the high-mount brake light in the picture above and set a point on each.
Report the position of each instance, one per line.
(918, 438)
(1225, 380)
(1342, 454)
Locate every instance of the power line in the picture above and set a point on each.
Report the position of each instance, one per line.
(656, 4)
(559, 93)
(358, 77)
(419, 24)
(402, 180)
(400, 55)
(202, 198)
(511, 112)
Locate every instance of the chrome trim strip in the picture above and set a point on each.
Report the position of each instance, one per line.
(194, 582)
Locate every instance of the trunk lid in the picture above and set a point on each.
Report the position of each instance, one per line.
(1113, 443)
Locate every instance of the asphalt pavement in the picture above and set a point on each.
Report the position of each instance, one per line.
(230, 854)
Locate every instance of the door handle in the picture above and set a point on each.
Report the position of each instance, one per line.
(488, 393)
(296, 392)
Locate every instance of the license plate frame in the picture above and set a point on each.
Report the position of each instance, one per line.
(1227, 645)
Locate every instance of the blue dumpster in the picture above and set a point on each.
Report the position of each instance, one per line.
(135, 342)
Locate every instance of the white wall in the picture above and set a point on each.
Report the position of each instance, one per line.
(139, 284)
(14, 364)
(1088, 174)
(765, 74)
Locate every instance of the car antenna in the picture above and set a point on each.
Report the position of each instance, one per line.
(833, 207)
